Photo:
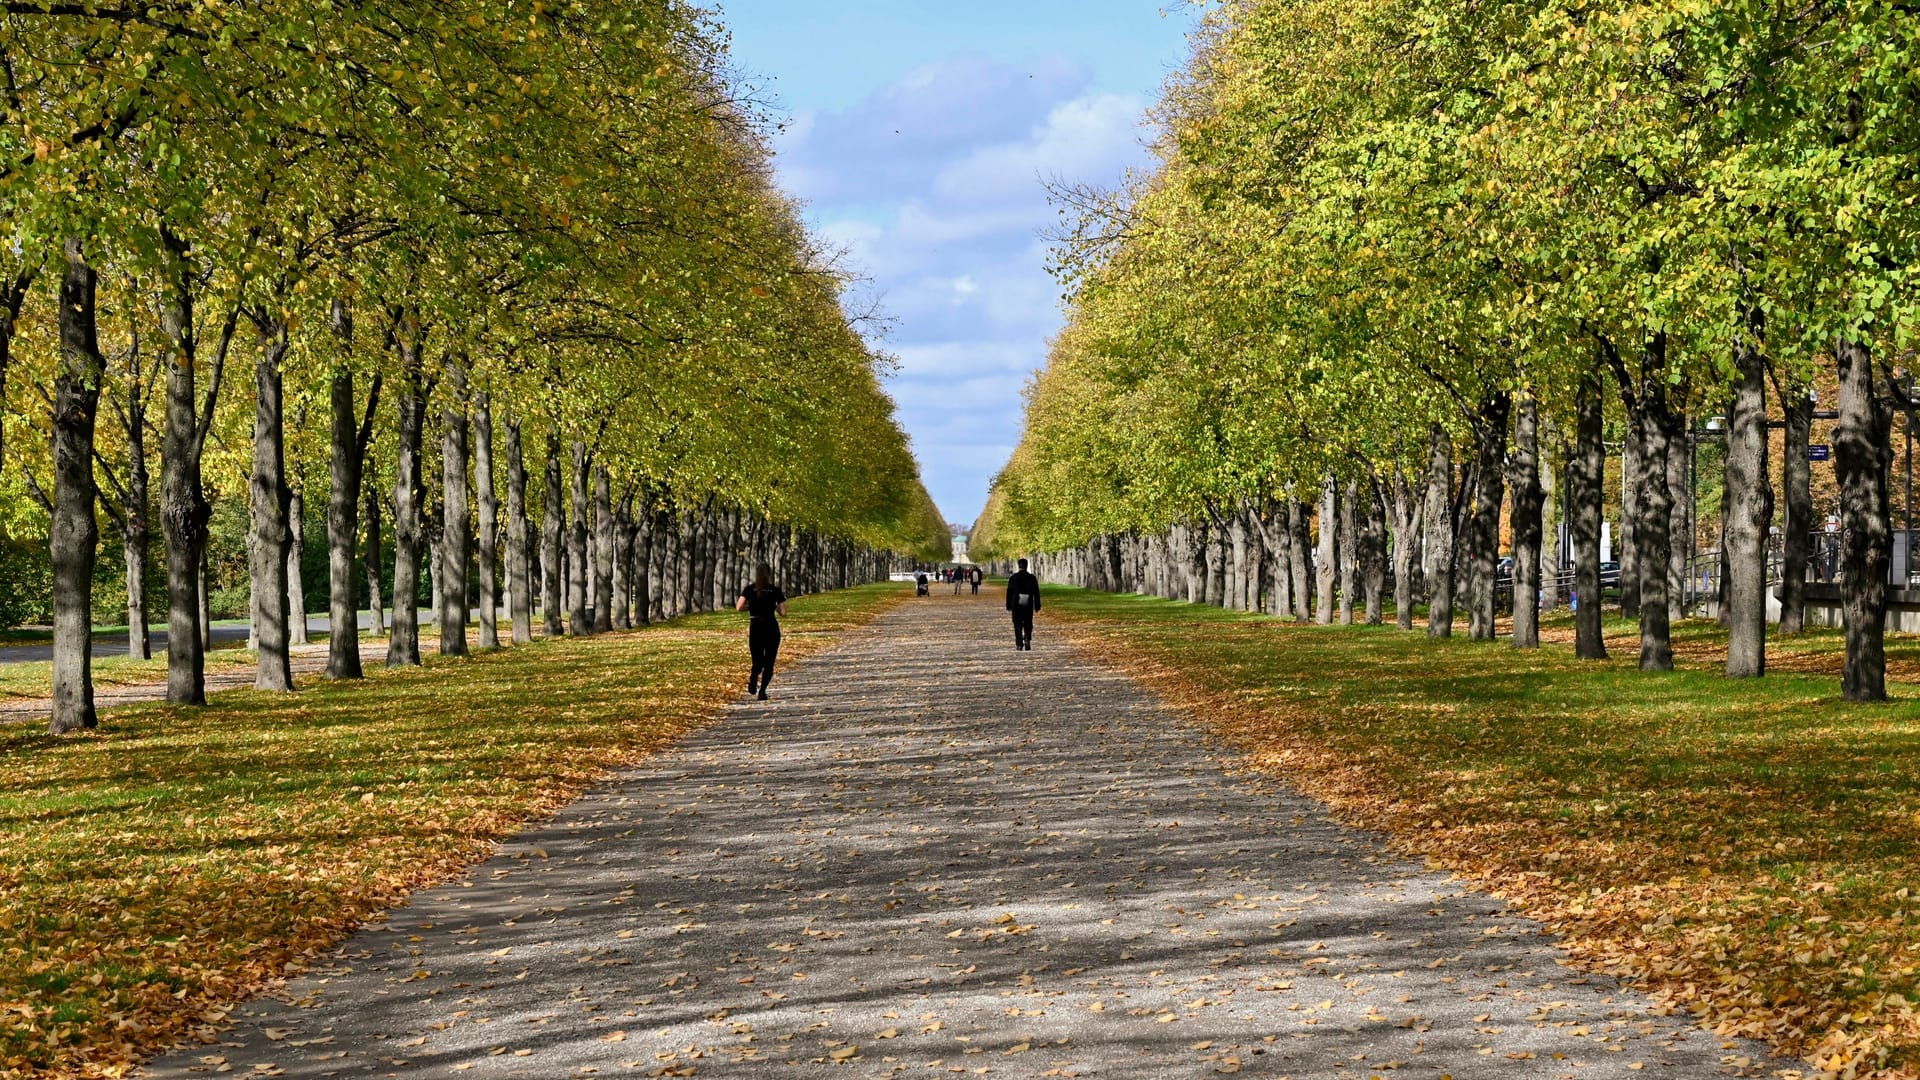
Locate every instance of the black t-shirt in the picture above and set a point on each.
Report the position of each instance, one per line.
(763, 603)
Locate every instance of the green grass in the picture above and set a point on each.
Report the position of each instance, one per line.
(1749, 848)
(34, 678)
(164, 867)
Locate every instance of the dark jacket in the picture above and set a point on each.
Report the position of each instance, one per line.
(1021, 584)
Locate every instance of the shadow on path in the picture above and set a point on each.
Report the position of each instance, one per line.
(931, 854)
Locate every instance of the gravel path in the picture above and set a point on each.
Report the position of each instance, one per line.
(933, 855)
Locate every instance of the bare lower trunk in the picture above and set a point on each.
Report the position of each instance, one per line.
(1653, 532)
(1747, 516)
(622, 612)
(455, 526)
(296, 581)
(1439, 547)
(74, 532)
(1797, 530)
(1586, 470)
(1299, 557)
(1631, 480)
(1552, 557)
(553, 538)
(1862, 444)
(1374, 549)
(183, 505)
(603, 551)
(370, 556)
(269, 499)
(1681, 545)
(137, 535)
(1527, 525)
(1348, 545)
(1406, 525)
(519, 559)
(578, 619)
(346, 466)
(1326, 548)
(1483, 527)
(488, 566)
(403, 644)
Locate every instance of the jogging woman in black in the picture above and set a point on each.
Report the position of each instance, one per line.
(765, 602)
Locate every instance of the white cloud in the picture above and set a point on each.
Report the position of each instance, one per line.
(1092, 136)
(934, 185)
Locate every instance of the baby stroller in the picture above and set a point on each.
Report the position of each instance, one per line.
(920, 585)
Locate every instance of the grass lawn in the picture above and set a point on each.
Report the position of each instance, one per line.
(34, 678)
(1749, 850)
(155, 872)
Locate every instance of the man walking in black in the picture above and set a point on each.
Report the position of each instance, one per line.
(1023, 599)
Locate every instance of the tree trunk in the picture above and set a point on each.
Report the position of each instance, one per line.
(659, 544)
(403, 644)
(1863, 456)
(1327, 549)
(578, 620)
(1747, 515)
(1300, 557)
(1527, 525)
(184, 511)
(1681, 545)
(643, 566)
(1797, 530)
(1373, 549)
(553, 534)
(296, 581)
(519, 560)
(370, 555)
(269, 501)
(488, 567)
(622, 606)
(1406, 525)
(1216, 554)
(1628, 542)
(1653, 537)
(1552, 558)
(346, 464)
(137, 535)
(74, 533)
(1586, 479)
(1439, 546)
(1483, 530)
(1347, 544)
(455, 525)
(603, 551)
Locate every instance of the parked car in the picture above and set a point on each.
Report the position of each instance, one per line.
(1609, 575)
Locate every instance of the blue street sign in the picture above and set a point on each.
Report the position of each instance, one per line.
(1819, 452)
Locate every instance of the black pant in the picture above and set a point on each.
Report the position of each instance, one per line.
(976, 588)
(1023, 628)
(763, 640)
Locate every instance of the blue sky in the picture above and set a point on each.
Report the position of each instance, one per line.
(919, 135)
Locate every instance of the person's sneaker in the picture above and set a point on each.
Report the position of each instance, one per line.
(752, 689)
(763, 695)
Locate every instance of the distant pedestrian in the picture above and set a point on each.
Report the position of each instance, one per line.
(973, 576)
(1023, 599)
(920, 584)
(765, 603)
(957, 577)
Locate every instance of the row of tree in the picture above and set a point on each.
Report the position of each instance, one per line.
(543, 235)
(1412, 261)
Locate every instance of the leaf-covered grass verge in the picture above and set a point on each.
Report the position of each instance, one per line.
(154, 873)
(34, 678)
(1749, 850)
